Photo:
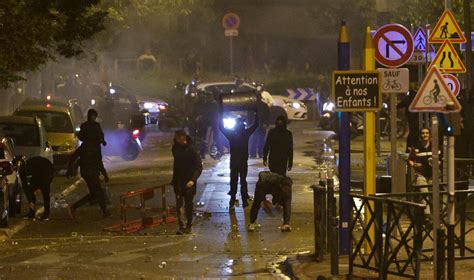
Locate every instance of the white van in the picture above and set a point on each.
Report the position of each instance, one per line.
(28, 135)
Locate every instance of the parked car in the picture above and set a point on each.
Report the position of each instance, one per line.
(10, 183)
(151, 108)
(59, 125)
(28, 135)
(292, 109)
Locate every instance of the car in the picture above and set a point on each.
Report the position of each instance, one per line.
(10, 182)
(61, 129)
(292, 109)
(151, 108)
(28, 135)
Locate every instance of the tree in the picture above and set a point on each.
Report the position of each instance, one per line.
(34, 31)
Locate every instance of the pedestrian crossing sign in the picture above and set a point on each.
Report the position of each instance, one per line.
(419, 40)
(433, 94)
(447, 59)
(447, 28)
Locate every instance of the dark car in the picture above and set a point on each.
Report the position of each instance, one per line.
(10, 183)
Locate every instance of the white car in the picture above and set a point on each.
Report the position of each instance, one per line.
(28, 135)
(292, 109)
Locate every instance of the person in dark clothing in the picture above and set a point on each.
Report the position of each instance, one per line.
(90, 162)
(187, 168)
(280, 188)
(239, 155)
(257, 139)
(413, 120)
(278, 148)
(91, 133)
(37, 174)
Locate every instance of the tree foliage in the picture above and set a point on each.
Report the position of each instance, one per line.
(34, 31)
(422, 12)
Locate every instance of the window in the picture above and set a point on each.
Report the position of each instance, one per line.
(22, 134)
(55, 122)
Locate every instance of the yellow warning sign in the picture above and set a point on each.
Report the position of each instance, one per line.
(447, 28)
(447, 59)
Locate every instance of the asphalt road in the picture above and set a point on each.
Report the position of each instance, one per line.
(220, 246)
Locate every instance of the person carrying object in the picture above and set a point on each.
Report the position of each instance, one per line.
(239, 154)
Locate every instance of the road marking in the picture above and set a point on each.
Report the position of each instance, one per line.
(120, 258)
(51, 258)
(9, 232)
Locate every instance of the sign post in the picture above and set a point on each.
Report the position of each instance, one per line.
(343, 63)
(231, 23)
(394, 81)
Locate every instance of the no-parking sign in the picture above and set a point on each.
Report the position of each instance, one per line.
(231, 21)
(393, 45)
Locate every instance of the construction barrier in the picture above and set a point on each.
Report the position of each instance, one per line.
(147, 220)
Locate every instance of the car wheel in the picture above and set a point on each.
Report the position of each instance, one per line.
(276, 112)
(3, 211)
(131, 152)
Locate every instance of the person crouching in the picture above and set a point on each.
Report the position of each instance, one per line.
(280, 188)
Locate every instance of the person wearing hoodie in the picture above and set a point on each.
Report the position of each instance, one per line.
(278, 148)
(239, 155)
(91, 133)
(280, 188)
(187, 168)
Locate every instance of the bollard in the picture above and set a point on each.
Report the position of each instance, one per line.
(440, 270)
(333, 237)
(319, 206)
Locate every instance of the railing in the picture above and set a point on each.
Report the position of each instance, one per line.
(396, 243)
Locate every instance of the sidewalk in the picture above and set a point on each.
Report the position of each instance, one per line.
(304, 266)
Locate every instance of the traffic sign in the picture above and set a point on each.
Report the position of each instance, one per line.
(462, 47)
(231, 32)
(393, 45)
(303, 94)
(231, 21)
(453, 83)
(433, 94)
(395, 80)
(447, 28)
(419, 39)
(448, 60)
(356, 91)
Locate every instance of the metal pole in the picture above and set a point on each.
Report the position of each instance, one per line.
(343, 63)
(467, 31)
(393, 140)
(379, 136)
(231, 53)
(369, 135)
(334, 237)
(451, 208)
(436, 202)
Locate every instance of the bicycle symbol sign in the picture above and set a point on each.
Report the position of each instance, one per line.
(433, 94)
(394, 80)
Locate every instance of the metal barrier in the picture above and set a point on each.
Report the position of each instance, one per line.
(463, 225)
(396, 246)
(146, 221)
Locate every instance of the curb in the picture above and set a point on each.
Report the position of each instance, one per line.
(7, 233)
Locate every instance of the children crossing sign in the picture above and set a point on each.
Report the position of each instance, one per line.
(447, 28)
(448, 60)
(433, 94)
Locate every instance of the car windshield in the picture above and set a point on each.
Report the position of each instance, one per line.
(22, 134)
(55, 122)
